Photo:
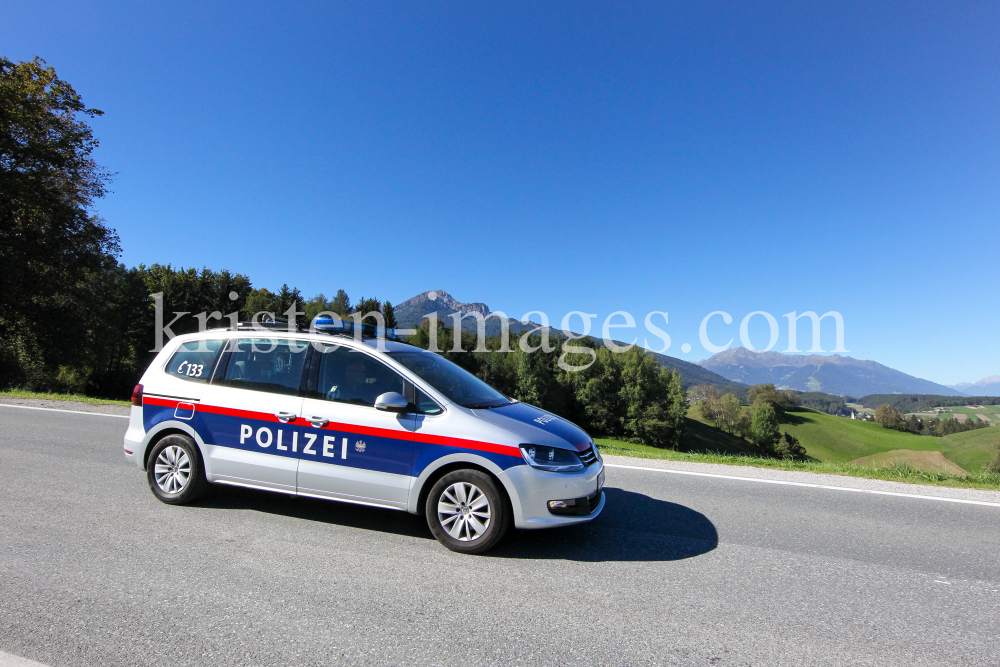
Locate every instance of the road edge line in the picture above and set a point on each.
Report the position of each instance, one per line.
(75, 412)
(806, 485)
(11, 660)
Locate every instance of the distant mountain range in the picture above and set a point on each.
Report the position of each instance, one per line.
(834, 374)
(737, 367)
(411, 313)
(988, 386)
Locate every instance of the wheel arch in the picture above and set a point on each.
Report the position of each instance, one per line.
(432, 473)
(162, 430)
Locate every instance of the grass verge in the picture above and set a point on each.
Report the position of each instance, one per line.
(79, 398)
(894, 473)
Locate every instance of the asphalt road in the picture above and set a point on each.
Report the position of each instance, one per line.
(678, 570)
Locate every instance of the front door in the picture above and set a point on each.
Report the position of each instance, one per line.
(250, 412)
(350, 450)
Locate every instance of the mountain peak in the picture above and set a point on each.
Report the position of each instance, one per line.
(446, 300)
(988, 386)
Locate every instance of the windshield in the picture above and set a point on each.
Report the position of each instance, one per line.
(457, 384)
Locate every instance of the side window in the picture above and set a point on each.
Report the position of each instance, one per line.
(350, 376)
(265, 364)
(195, 360)
(425, 405)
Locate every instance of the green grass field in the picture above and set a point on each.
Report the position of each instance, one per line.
(839, 439)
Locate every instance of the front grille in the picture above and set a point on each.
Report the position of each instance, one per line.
(589, 457)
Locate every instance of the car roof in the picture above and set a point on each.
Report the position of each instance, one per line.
(372, 344)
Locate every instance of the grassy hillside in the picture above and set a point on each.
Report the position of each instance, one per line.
(829, 438)
(972, 449)
(839, 440)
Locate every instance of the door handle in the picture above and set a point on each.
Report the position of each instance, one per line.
(285, 417)
(318, 422)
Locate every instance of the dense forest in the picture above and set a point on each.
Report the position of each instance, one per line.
(828, 403)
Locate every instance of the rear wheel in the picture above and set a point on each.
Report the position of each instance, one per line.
(175, 472)
(467, 511)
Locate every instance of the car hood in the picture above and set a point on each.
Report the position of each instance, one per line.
(536, 426)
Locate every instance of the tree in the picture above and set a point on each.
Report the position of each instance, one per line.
(764, 426)
(781, 401)
(788, 447)
(711, 409)
(676, 407)
(285, 299)
(51, 246)
(888, 416)
(390, 315)
(341, 304)
(314, 306)
(700, 392)
(260, 300)
(365, 306)
(729, 409)
(743, 422)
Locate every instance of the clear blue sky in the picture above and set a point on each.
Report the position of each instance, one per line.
(686, 157)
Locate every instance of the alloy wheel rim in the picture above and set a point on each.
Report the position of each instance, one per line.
(172, 469)
(464, 511)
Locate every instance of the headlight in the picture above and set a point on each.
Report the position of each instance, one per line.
(551, 459)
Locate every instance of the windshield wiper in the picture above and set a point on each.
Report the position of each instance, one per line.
(484, 405)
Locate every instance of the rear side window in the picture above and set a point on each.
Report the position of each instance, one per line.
(195, 360)
(264, 364)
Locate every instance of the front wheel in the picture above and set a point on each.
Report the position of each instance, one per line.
(174, 470)
(467, 512)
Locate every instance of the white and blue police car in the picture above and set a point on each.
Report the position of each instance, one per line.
(350, 415)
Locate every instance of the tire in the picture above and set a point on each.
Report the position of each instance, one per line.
(467, 511)
(175, 472)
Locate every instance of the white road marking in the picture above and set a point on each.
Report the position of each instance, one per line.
(76, 412)
(8, 660)
(805, 484)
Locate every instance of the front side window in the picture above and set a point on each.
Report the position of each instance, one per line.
(349, 376)
(425, 405)
(459, 385)
(194, 360)
(265, 364)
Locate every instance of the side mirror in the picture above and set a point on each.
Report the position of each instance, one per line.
(391, 402)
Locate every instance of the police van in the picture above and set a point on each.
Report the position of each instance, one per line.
(347, 413)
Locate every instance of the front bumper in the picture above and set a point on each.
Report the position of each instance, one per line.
(535, 488)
